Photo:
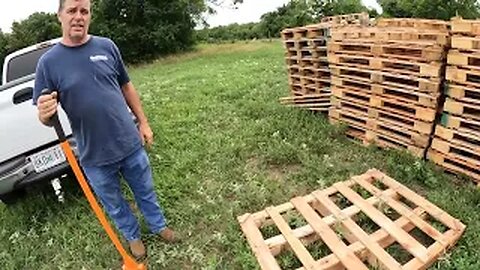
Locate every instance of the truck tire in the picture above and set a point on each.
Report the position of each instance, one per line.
(13, 196)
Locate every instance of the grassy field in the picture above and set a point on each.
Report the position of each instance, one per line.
(224, 147)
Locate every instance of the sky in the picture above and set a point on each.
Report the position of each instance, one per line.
(249, 11)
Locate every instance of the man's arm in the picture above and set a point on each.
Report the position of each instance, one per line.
(133, 101)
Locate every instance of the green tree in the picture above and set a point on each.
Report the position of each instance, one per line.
(295, 13)
(322, 8)
(36, 28)
(3, 49)
(145, 29)
(431, 9)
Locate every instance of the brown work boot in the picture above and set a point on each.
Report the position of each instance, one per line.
(137, 249)
(169, 236)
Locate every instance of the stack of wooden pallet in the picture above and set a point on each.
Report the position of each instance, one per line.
(386, 81)
(306, 57)
(308, 74)
(456, 145)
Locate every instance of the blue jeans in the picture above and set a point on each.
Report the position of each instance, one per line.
(135, 169)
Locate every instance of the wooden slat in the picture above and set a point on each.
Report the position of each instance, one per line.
(331, 261)
(255, 239)
(404, 211)
(297, 246)
(329, 237)
(277, 242)
(387, 261)
(429, 207)
(403, 238)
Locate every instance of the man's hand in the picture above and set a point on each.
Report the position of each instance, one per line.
(47, 107)
(146, 134)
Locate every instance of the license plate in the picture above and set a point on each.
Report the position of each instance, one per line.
(47, 158)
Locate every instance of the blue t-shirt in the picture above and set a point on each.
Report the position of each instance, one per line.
(88, 79)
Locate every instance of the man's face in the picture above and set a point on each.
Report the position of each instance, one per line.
(75, 19)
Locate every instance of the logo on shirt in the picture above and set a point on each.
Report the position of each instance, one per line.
(96, 58)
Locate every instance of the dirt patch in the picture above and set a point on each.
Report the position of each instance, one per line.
(280, 172)
(274, 172)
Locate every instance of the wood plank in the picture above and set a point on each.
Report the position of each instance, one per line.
(255, 239)
(432, 209)
(403, 238)
(387, 261)
(404, 211)
(297, 246)
(329, 237)
(331, 261)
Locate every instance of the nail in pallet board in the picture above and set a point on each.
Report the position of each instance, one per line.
(354, 224)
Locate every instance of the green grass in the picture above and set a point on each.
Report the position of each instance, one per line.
(224, 146)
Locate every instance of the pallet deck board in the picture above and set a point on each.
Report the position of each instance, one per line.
(403, 35)
(466, 110)
(425, 54)
(413, 83)
(455, 165)
(461, 124)
(387, 64)
(363, 249)
(464, 94)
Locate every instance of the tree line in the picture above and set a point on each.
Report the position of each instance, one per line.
(146, 29)
(302, 12)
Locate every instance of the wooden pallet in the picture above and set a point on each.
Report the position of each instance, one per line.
(465, 43)
(413, 83)
(392, 118)
(398, 133)
(393, 35)
(315, 80)
(388, 141)
(326, 220)
(413, 52)
(437, 25)
(468, 140)
(349, 117)
(463, 76)
(307, 32)
(463, 94)
(292, 61)
(454, 165)
(313, 102)
(461, 124)
(408, 123)
(403, 109)
(465, 27)
(465, 110)
(321, 62)
(469, 60)
(404, 95)
(352, 107)
(313, 72)
(352, 131)
(398, 66)
(460, 152)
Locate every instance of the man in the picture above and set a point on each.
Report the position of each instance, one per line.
(94, 89)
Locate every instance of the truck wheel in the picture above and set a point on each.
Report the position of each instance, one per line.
(13, 196)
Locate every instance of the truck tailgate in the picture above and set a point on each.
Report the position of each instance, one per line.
(18, 118)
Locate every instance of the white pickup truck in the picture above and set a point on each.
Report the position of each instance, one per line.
(29, 151)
